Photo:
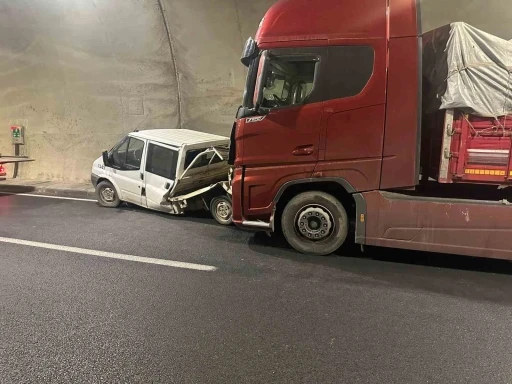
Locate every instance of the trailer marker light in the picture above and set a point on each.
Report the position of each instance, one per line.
(485, 172)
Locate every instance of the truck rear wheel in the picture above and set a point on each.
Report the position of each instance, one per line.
(221, 209)
(315, 223)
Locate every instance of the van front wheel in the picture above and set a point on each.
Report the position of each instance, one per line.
(107, 195)
(315, 223)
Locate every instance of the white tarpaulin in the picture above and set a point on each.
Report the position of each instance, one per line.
(466, 68)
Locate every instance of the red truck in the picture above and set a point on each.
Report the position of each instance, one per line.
(337, 135)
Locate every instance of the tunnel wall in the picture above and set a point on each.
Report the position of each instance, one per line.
(79, 74)
(491, 16)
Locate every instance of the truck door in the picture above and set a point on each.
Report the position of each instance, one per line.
(286, 130)
(127, 166)
(160, 173)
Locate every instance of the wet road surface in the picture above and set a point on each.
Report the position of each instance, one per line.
(260, 314)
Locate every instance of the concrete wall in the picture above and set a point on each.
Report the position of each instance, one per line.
(491, 16)
(79, 74)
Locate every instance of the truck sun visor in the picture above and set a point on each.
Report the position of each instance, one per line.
(466, 68)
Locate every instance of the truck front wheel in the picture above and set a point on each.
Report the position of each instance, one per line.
(315, 223)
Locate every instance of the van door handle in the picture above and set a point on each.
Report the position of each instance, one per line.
(305, 150)
(142, 176)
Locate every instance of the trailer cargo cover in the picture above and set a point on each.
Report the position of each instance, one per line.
(469, 69)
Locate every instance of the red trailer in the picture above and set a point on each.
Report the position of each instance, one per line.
(471, 149)
(340, 126)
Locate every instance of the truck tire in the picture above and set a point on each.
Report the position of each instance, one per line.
(315, 223)
(107, 195)
(221, 209)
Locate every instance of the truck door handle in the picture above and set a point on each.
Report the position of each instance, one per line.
(142, 176)
(305, 150)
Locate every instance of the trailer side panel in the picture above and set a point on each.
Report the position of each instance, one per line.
(465, 227)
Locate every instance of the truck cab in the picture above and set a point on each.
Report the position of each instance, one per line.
(321, 81)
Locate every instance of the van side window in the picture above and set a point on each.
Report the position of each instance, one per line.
(288, 81)
(162, 161)
(127, 155)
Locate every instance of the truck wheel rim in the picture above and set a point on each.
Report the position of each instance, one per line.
(108, 194)
(223, 210)
(314, 222)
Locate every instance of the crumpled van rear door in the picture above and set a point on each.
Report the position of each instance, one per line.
(209, 167)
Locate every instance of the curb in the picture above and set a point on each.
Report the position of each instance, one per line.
(48, 191)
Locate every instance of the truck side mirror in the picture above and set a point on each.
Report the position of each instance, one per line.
(106, 159)
(250, 52)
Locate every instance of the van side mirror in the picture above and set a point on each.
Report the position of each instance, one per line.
(106, 159)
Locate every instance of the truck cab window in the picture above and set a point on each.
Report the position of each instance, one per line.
(288, 81)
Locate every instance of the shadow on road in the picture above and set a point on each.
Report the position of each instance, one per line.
(9, 190)
(275, 245)
(202, 217)
(456, 276)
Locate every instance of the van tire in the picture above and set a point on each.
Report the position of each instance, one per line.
(107, 195)
(221, 209)
(315, 223)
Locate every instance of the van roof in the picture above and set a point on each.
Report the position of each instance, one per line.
(180, 137)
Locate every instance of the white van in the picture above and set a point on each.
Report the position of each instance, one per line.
(168, 170)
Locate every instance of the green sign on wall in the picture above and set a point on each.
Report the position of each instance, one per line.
(17, 134)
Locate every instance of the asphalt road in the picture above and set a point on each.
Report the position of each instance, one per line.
(264, 315)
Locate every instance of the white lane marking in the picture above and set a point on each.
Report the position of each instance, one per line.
(46, 196)
(111, 255)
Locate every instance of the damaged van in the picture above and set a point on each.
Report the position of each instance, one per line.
(167, 170)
